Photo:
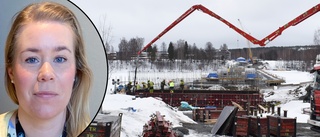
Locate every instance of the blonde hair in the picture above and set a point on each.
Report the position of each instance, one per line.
(78, 106)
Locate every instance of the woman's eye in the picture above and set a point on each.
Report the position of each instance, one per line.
(31, 60)
(60, 59)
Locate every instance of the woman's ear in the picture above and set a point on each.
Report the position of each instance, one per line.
(10, 73)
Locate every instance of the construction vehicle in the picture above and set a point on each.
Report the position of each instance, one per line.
(315, 97)
(252, 39)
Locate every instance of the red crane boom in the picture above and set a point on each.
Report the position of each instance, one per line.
(186, 14)
(293, 22)
(253, 40)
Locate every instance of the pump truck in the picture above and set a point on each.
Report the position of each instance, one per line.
(315, 97)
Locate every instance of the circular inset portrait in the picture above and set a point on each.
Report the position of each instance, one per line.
(53, 69)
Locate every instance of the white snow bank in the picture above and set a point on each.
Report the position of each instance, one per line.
(295, 110)
(137, 112)
(293, 77)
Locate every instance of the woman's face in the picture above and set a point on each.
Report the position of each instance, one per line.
(44, 68)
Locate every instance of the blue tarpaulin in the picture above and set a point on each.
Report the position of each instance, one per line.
(185, 105)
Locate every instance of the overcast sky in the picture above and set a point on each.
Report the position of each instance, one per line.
(148, 18)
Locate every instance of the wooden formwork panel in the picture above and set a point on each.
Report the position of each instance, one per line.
(241, 126)
(215, 114)
(258, 126)
(241, 113)
(281, 126)
(205, 99)
(204, 114)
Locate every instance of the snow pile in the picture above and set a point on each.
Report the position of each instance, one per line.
(294, 109)
(284, 94)
(293, 76)
(137, 112)
(288, 99)
(295, 84)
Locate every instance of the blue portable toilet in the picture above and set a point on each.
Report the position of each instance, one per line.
(213, 75)
(251, 76)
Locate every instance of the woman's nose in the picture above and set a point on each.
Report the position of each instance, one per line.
(46, 72)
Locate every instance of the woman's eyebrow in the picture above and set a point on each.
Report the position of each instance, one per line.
(56, 49)
(60, 48)
(30, 50)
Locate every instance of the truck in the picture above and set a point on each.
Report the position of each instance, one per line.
(314, 120)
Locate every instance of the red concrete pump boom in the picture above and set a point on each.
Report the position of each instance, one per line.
(293, 22)
(186, 14)
(261, 42)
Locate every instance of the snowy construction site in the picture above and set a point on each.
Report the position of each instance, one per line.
(229, 97)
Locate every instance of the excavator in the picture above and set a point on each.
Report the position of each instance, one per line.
(315, 105)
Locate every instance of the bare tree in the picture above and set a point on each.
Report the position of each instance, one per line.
(163, 46)
(105, 33)
(180, 49)
(210, 51)
(316, 38)
(134, 45)
(224, 47)
(123, 49)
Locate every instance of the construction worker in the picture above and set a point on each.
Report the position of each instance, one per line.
(181, 84)
(144, 86)
(163, 83)
(150, 86)
(138, 86)
(171, 86)
(128, 87)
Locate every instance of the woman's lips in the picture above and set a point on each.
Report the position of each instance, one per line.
(45, 94)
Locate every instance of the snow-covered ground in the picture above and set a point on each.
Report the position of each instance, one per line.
(137, 111)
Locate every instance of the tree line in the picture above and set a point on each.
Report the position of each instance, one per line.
(306, 53)
(182, 50)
